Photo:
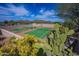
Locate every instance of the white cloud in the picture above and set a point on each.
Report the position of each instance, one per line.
(32, 15)
(46, 14)
(49, 13)
(18, 11)
(10, 5)
(40, 16)
(4, 11)
(41, 11)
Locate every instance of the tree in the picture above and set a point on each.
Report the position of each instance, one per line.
(70, 12)
(5, 22)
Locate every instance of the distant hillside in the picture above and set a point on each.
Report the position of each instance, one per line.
(41, 21)
(26, 22)
(34, 21)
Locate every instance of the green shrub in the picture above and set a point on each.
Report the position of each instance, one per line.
(57, 39)
(27, 46)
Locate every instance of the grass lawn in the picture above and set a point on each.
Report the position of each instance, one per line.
(21, 29)
(40, 33)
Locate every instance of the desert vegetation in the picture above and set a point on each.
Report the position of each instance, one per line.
(27, 46)
(43, 41)
(31, 45)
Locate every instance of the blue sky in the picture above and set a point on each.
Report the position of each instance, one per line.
(29, 11)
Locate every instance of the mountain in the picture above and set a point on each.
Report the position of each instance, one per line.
(34, 21)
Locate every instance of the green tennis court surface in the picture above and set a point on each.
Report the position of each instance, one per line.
(40, 33)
